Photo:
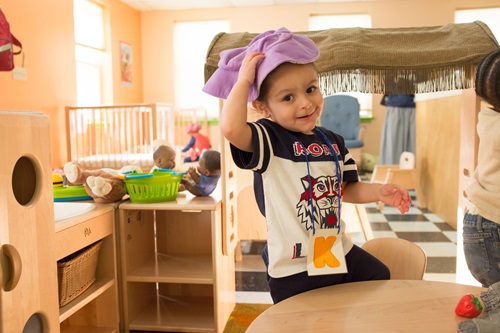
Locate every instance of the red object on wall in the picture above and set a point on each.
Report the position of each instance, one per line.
(7, 42)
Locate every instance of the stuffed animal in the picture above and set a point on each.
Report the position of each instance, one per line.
(103, 185)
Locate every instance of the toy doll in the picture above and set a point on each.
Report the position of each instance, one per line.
(164, 157)
(198, 143)
(204, 178)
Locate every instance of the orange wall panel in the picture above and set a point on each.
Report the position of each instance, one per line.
(45, 28)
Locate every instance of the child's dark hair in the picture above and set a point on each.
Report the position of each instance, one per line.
(488, 79)
(264, 87)
(212, 159)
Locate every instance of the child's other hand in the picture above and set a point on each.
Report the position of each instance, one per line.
(396, 196)
(191, 170)
(247, 69)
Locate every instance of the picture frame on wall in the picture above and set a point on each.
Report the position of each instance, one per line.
(126, 63)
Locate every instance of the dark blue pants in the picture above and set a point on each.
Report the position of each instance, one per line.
(361, 266)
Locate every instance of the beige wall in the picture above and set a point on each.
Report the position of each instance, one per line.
(438, 154)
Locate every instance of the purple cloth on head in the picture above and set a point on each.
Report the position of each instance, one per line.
(279, 46)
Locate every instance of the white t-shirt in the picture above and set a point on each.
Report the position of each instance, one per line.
(282, 189)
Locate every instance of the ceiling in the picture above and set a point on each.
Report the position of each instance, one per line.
(150, 5)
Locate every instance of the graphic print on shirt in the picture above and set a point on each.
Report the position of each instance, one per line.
(325, 200)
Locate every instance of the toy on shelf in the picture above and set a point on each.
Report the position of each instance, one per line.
(159, 185)
(64, 192)
(198, 143)
(57, 180)
(205, 177)
(164, 157)
(102, 185)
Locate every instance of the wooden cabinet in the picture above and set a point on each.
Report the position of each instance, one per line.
(175, 277)
(28, 277)
(96, 309)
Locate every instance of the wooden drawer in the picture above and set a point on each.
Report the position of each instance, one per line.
(78, 236)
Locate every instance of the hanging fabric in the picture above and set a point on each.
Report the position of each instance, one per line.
(7, 43)
(423, 59)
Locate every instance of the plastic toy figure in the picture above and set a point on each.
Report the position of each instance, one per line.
(198, 143)
(204, 178)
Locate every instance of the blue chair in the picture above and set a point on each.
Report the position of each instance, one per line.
(341, 116)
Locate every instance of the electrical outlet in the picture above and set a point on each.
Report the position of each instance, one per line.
(19, 74)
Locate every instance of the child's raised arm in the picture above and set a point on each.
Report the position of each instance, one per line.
(233, 118)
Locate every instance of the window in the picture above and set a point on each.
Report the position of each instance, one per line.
(487, 15)
(191, 42)
(90, 52)
(322, 22)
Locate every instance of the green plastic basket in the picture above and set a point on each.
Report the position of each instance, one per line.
(158, 186)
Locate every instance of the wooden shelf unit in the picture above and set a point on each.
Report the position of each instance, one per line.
(174, 274)
(96, 309)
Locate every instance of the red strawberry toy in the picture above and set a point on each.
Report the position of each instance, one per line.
(469, 306)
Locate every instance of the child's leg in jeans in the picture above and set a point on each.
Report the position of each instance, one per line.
(481, 238)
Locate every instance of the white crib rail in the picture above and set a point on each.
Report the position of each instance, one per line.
(119, 135)
(185, 116)
(115, 136)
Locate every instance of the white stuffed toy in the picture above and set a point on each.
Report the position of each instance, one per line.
(103, 185)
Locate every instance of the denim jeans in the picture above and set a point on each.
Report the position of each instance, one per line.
(481, 239)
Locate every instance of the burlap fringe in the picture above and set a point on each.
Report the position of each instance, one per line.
(398, 81)
(392, 81)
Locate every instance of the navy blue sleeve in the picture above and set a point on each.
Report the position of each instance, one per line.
(189, 145)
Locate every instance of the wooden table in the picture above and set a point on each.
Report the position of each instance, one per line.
(372, 306)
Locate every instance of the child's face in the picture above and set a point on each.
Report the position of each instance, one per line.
(167, 161)
(202, 167)
(294, 100)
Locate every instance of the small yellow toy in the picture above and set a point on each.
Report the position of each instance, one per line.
(57, 180)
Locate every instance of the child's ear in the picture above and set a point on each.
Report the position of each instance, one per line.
(261, 107)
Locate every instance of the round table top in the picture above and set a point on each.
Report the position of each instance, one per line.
(372, 306)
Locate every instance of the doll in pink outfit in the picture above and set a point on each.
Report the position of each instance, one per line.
(198, 143)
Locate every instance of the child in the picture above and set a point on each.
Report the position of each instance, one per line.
(399, 130)
(164, 158)
(198, 143)
(302, 171)
(481, 231)
(204, 180)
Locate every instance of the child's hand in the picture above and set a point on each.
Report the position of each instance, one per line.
(193, 173)
(247, 69)
(396, 196)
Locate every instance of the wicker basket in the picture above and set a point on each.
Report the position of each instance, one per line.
(76, 272)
